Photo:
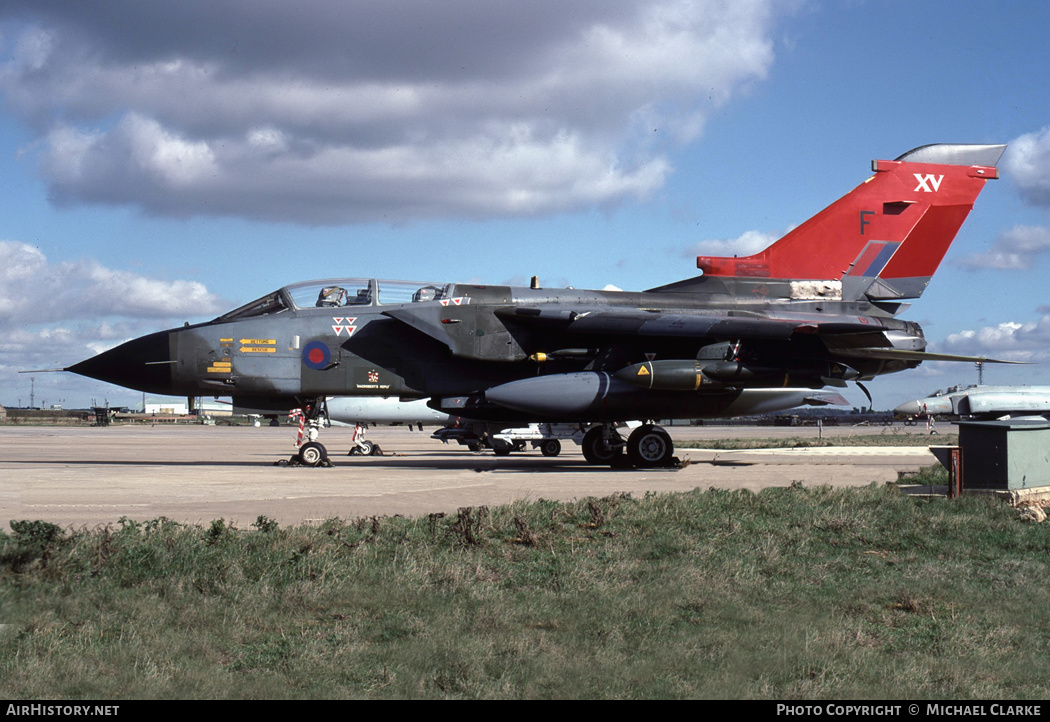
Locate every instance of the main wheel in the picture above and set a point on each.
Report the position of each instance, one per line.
(312, 454)
(597, 451)
(650, 446)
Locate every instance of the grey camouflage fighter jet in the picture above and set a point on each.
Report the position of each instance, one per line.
(981, 402)
(749, 335)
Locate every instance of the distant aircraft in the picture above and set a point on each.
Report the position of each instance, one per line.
(815, 308)
(981, 402)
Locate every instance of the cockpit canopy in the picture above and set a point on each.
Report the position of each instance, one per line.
(951, 390)
(339, 293)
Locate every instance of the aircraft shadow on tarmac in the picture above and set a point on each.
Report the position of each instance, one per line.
(533, 464)
(461, 462)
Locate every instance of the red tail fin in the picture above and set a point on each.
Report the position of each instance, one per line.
(886, 238)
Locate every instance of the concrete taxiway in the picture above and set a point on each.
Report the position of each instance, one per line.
(80, 476)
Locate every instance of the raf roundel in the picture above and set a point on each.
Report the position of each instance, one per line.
(316, 355)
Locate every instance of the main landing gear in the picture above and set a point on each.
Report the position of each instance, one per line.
(647, 447)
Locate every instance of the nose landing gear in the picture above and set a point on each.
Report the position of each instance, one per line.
(313, 454)
(313, 414)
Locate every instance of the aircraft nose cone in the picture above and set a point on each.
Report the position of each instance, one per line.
(144, 364)
(908, 408)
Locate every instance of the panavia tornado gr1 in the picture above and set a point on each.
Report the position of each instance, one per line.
(749, 335)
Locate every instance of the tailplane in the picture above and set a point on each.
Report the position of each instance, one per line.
(885, 239)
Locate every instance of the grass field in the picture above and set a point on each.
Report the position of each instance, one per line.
(793, 593)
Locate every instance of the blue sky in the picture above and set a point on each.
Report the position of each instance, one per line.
(164, 164)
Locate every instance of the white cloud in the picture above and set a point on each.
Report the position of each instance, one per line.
(35, 291)
(1009, 340)
(1014, 250)
(332, 112)
(746, 244)
(136, 156)
(1027, 163)
(55, 314)
(33, 48)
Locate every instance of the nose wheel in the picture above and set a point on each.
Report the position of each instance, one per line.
(312, 454)
(550, 447)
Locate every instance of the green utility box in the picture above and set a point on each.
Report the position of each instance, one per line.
(1005, 455)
